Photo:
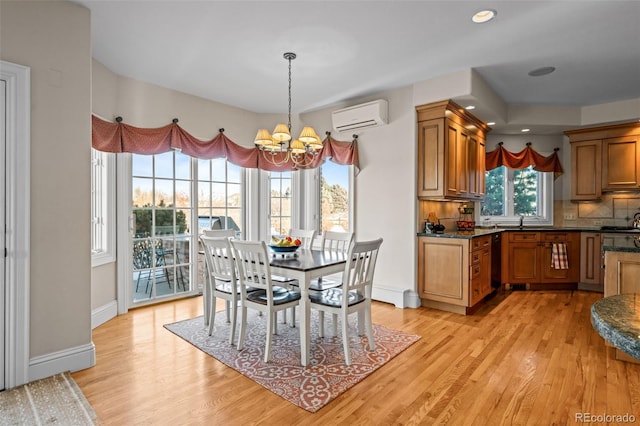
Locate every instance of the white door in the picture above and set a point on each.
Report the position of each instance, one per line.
(3, 126)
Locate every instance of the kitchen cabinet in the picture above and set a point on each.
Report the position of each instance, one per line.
(527, 258)
(621, 276)
(451, 153)
(586, 170)
(604, 159)
(591, 271)
(454, 274)
(620, 163)
(622, 272)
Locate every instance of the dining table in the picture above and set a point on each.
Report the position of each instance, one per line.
(305, 265)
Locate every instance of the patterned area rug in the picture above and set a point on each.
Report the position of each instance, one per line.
(54, 400)
(309, 387)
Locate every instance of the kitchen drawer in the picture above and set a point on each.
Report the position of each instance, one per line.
(475, 257)
(554, 236)
(474, 272)
(478, 243)
(523, 236)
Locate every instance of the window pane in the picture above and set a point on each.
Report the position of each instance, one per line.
(233, 173)
(204, 194)
(183, 193)
(525, 188)
(183, 166)
(163, 165)
(164, 193)
(142, 192)
(219, 170)
(142, 165)
(204, 169)
(493, 204)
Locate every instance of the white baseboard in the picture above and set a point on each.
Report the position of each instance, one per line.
(104, 313)
(401, 298)
(72, 359)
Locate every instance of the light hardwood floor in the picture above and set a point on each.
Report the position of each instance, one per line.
(527, 357)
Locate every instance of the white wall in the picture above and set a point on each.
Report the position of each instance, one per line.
(385, 201)
(54, 39)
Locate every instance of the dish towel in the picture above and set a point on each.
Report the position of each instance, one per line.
(559, 258)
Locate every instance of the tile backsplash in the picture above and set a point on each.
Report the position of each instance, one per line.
(613, 210)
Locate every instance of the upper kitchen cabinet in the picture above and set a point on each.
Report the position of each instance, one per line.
(451, 152)
(604, 159)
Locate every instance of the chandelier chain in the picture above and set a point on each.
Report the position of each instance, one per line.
(289, 58)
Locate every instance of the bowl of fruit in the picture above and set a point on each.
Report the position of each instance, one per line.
(285, 244)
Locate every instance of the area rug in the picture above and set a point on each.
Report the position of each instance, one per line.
(310, 387)
(53, 400)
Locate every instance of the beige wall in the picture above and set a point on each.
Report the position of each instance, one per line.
(54, 39)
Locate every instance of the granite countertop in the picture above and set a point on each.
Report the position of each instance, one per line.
(622, 249)
(617, 319)
(478, 232)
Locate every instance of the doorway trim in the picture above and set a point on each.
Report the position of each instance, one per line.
(17, 278)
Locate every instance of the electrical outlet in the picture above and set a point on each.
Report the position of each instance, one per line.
(569, 216)
(597, 222)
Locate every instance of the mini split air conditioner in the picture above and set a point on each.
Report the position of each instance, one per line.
(370, 114)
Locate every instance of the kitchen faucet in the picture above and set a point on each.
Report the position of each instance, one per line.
(521, 221)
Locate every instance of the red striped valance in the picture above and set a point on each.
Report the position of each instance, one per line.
(120, 137)
(523, 159)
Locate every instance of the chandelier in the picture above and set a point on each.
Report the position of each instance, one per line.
(278, 148)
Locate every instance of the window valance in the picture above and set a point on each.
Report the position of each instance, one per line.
(523, 159)
(120, 137)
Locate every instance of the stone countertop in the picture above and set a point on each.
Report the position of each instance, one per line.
(617, 319)
(621, 249)
(478, 232)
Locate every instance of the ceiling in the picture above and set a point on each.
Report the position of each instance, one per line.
(232, 51)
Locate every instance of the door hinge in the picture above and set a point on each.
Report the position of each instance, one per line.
(6, 253)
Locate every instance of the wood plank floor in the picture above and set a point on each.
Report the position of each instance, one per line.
(526, 358)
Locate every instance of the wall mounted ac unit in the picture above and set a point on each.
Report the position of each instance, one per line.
(370, 114)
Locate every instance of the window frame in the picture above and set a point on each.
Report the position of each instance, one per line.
(103, 174)
(545, 200)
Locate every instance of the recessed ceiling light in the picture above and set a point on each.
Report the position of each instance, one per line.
(470, 107)
(484, 16)
(541, 71)
(525, 130)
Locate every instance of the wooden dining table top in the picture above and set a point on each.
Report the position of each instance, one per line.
(306, 259)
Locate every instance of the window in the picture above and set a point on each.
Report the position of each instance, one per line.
(511, 194)
(280, 202)
(102, 208)
(335, 197)
(220, 198)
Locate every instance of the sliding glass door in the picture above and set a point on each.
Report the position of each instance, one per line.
(173, 199)
(162, 210)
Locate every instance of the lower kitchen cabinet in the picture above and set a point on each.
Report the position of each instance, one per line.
(591, 271)
(454, 274)
(527, 258)
(621, 276)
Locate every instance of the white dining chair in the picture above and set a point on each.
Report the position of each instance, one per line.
(228, 233)
(307, 236)
(252, 261)
(221, 281)
(353, 296)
